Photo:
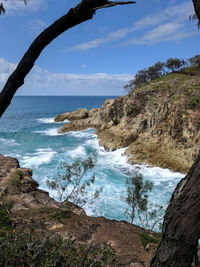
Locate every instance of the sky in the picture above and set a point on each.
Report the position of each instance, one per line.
(99, 56)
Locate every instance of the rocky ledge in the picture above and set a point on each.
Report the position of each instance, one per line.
(159, 122)
(33, 209)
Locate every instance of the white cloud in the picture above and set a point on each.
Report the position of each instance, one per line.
(164, 32)
(17, 7)
(177, 13)
(112, 36)
(43, 82)
(5, 70)
(36, 26)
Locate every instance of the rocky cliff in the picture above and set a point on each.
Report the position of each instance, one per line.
(159, 122)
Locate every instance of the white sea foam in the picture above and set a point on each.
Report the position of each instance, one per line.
(8, 142)
(88, 133)
(79, 152)
(41, 156)
(50, 132)
(79, 134)
(50, 120)
(45, 120)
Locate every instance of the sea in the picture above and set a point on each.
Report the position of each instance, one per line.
(29, 133)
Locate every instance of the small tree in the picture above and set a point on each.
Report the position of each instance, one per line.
(70, 182)
(174, 64)
(194, 60)
(137, 197)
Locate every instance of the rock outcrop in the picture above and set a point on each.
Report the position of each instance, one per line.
(31, 209)
(159, 122)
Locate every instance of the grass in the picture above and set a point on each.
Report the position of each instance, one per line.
(59, 215)
(147, 238)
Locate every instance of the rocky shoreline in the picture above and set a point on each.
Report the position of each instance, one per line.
(31, 209)
(158, 122)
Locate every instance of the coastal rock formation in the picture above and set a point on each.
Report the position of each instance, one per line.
(31, 209)
(159, 122)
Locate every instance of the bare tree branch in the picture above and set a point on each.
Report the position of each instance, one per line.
(82, 12)
(111, 4)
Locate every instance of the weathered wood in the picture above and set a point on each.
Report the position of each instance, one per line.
(82, 12)
(181, 227)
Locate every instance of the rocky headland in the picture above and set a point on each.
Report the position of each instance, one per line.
(31, 209)
(159, 122)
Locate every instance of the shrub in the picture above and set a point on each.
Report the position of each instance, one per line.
(31, 249)
(147, 238)
(5, 221)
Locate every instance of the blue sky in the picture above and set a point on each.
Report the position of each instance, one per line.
(100, 56)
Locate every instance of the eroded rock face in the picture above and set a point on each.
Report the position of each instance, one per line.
(159, 122)
(19, 189)
(74, 115)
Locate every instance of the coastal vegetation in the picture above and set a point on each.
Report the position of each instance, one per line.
(161, 69)
(71, 184)
(30, 249)
(136, 196)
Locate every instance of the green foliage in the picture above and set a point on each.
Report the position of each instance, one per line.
(175, 64)
(147, 238)
(160, 69)
(5, 221)
(137, 196)
(194, 60)
(31, 249)
(61, 214)
(70, 182)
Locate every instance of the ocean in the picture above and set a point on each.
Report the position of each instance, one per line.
(29, 133)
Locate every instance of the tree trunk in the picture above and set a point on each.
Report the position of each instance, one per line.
(181, 227)
(82, 12)
(196, 4)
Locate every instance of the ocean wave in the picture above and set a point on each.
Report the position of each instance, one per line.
(88, 133)
(41, 156)
(159, 174)
(79, 152)
(50, 120)
(8, 142)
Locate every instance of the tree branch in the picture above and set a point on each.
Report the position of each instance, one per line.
(82, 12)
(111, 4)
(196, 4)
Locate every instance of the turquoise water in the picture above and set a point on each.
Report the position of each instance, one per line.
(29, 133)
